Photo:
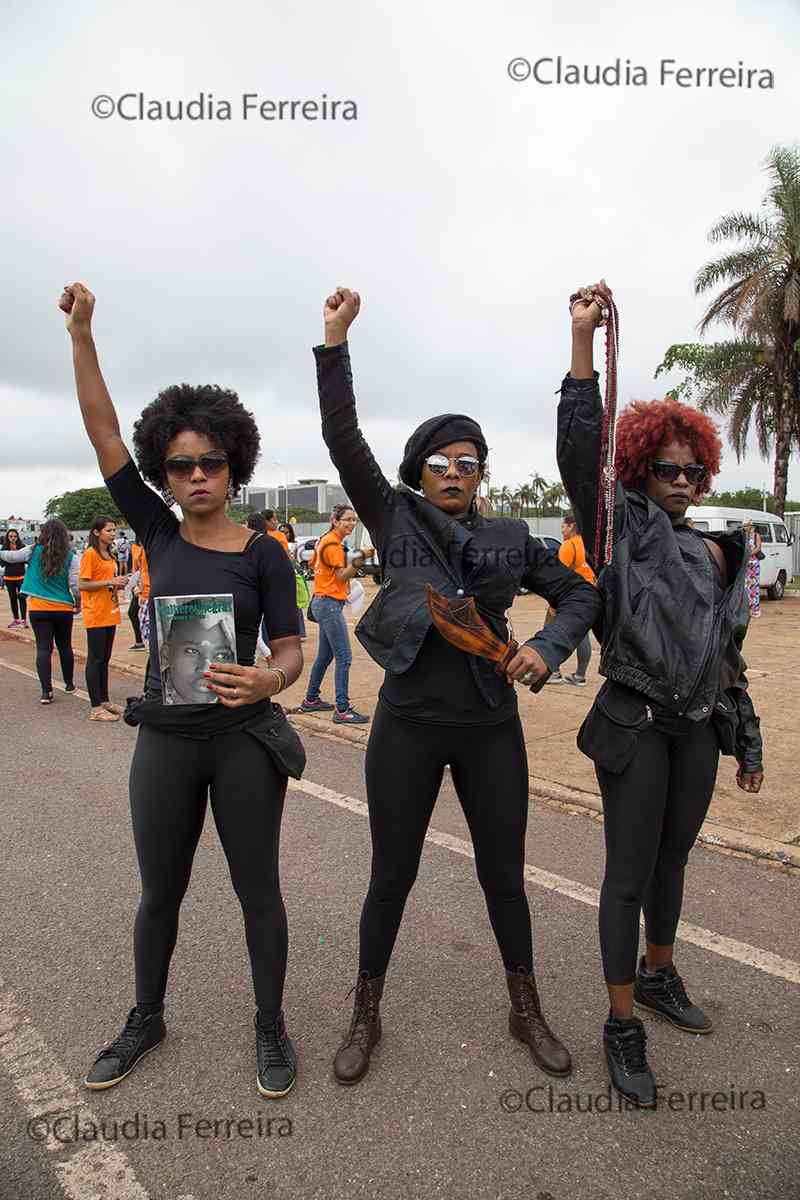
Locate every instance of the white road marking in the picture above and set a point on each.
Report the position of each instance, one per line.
(751, 956)
(99, 1171)
(58, 687)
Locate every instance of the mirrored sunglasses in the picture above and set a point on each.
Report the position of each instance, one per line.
(466, 465)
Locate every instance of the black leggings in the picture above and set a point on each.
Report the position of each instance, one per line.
(404, 766)
(19, 603)
(99, 644)
(133, 616)
(653, 812)
(169, 784)
(47, 628)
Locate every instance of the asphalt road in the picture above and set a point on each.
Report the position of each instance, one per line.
(430, 1119)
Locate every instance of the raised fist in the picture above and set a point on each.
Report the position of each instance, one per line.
(78, 303)
(589, 310)
(341, 309)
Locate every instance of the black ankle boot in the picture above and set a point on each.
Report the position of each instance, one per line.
(662, 992)
(276, 1059)
(527, 1024)
(140, 1035)
(624, 1041)
(352, 1058)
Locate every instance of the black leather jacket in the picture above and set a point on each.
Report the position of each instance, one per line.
(660, 630)
(418, 544)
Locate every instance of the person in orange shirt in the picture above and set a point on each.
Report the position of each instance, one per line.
(138, 565)
(99, 586)
(573, 555)
(273, 530)
(332, 575)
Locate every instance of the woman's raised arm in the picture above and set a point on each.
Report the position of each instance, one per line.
(97, 409)
(367, 488)
(580, 422)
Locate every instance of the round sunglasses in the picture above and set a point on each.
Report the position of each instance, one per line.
(182, 467)
(668, 472)
(466, 465)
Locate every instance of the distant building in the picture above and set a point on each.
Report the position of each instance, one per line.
(27, 527)
(316, 495)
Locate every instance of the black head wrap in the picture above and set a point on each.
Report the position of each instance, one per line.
(434, 433)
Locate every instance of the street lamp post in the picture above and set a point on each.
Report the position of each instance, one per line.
(286, 489)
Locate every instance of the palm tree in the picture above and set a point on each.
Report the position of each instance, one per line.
(538, 487)
(554, 497)
(493, 497)
(523, 494)
(762, 300)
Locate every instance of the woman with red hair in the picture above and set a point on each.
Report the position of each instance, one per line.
(674, 616)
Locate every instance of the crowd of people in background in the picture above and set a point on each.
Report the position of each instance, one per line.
(106, 571)
(111, 565)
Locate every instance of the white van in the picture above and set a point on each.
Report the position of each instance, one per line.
(776, 566)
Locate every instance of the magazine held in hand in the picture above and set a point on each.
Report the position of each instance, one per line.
(193, 632)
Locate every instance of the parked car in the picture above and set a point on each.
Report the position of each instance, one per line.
(776, 566)
(549, 543)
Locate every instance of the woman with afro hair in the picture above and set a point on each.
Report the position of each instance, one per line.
(674, 616)
(198, 445)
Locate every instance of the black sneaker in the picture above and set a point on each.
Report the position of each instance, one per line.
(276, 1058)
(315, 706)
(662, 992)
(69, 688)
(46, 698)
(624, 1041)
(349, 716)
(139, 1037)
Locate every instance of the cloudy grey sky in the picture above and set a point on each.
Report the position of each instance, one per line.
(465, 207)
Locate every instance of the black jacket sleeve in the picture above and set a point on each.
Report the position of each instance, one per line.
(576, 602)
(580, 421)
(749, 746)
(367, 487)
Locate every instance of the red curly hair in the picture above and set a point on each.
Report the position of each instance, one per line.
(645, 425)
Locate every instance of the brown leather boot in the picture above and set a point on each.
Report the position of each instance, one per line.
(352, 1058)
(526, 1023)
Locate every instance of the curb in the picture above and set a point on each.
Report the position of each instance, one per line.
(713, 836)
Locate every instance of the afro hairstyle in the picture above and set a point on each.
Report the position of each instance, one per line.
(208, 409)
(645, 425)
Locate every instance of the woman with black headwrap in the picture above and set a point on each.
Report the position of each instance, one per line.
(438, 705)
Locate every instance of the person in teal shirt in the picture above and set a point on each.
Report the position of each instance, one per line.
(51, 587)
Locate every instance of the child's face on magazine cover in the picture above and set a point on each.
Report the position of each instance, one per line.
(193, 646)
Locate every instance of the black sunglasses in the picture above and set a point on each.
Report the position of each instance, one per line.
(466, 465)
(182, 467)
(668, 472)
